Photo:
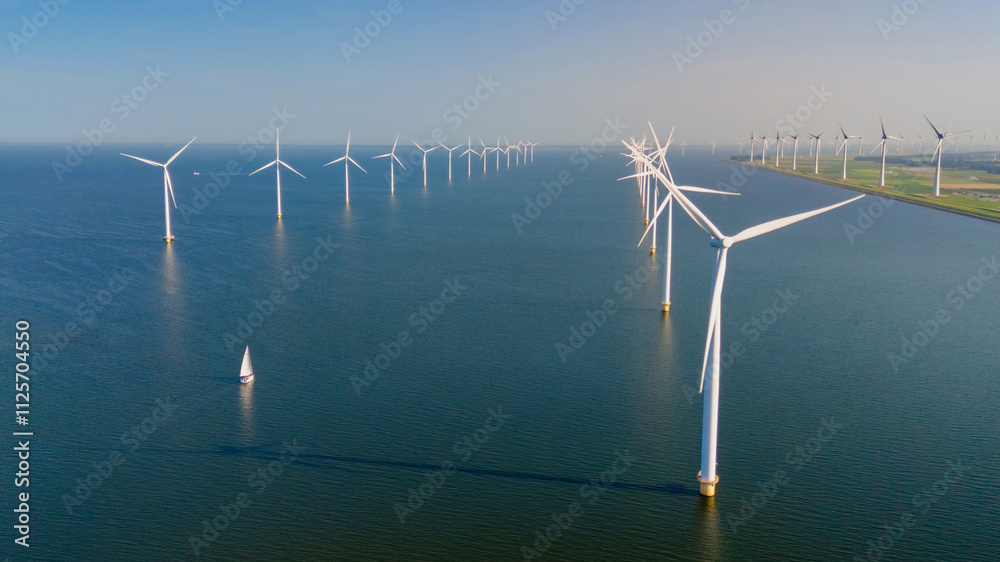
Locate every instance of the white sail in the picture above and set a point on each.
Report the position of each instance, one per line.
(246, 371)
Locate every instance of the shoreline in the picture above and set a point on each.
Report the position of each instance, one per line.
(905, 198)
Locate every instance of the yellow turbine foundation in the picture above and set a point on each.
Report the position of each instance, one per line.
(707, 488)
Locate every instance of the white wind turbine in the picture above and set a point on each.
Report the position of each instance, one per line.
(469, 154)
(392, 166)
(667, 204)
(347, 162)
(777, 153)
(741, 148)
(507, 150)
(168, 186)
(498, 150)
(920, 144)
(683, 146)
(277, 163)
(939, 153)
(449, 158)
(425, 158)
(844, 147)
(486, 151)
(885, 145)
(817, 139)
(707, 477)
(713, 146)
(763, 148)
(752, 139)
(795, 151)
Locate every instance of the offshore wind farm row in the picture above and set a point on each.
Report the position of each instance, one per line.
(650, 163)
(960, 181)
(524, 152)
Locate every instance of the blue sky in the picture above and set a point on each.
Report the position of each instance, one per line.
(226, 76)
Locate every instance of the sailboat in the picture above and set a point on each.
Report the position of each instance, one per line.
(246, 371)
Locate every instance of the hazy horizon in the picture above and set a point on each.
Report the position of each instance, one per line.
(526, 71)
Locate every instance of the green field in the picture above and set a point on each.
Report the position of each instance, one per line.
(962, 191)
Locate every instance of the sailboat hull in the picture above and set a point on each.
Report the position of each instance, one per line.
(247, 379)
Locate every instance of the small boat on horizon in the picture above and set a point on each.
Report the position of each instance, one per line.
(246, 370)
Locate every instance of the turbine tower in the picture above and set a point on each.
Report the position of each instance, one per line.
(450, 150)
(707, 477)
(843, 146)
(817, 139)
(885, 145)
(168, 187)
(277, 163)
(469, 153)
(392, 166)
(347, 161)
(939, 152)
(425, 158)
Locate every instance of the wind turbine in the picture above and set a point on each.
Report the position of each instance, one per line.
(498, 150)
(392, 167)
(970, 143)
(817, 139)
(277, 163)
(469, 153)
(795, 151)
(683, 146)
(713, 146)
(752, 139)
(486, 151)
(660, 153)
(449, 158)
(763, 148)
(425, 158)
(777, 153)
(507, 150)
(707, 477)
(939, 153)
(168, 186)
(844, 147)
(347, 161)
(741, 148)
(920, 145)
(885, 146)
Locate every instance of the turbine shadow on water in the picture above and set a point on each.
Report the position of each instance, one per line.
(323, 460)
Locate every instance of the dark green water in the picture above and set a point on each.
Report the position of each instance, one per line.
(359, 453)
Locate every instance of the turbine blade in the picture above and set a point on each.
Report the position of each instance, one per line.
(170, 186)
(266, 166)
(351, 160)
(781, 223)
(692, 211)
(655, 216)
(704, 190)
(335, 161)
(290, 168)
(150, 162)
(179, 152)
(715, 315)
(936, 131)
